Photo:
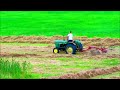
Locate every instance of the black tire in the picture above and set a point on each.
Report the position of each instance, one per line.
(54, 50)
(72, 46)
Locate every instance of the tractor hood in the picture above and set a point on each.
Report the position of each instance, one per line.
(60, 41)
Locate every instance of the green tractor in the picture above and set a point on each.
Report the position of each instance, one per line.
(68, 47)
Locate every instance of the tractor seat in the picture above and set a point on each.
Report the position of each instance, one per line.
(71, 41)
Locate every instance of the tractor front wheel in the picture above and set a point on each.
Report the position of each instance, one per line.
(55, 50)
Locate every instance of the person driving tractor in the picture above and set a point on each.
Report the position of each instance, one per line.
(70, 37)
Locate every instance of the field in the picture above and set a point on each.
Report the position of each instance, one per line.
(27, 37)
(45, 64)
(50, 23)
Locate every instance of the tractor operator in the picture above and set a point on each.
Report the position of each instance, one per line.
(70, 37)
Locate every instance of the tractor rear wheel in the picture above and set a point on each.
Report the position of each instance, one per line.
(55, 50)
(70, 49)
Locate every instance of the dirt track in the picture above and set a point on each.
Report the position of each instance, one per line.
(89, 74)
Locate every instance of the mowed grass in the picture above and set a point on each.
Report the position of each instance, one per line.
(45, 67)
(49, 23)
(49, 67)
(25, 44)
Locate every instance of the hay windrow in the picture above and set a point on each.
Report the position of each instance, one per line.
(88, 74)
(41, 39)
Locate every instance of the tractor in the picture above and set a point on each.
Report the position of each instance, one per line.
(68, 47)
(76, 45)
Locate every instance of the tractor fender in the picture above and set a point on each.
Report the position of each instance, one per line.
(80, 47)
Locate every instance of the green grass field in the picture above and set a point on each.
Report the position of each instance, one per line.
(49, 23)
(63, 66)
